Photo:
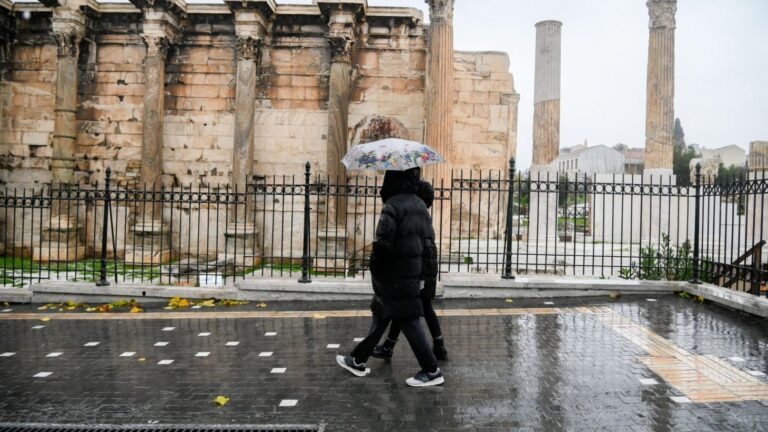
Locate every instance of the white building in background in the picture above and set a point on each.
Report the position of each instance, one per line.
(582, 159)
(731, 155)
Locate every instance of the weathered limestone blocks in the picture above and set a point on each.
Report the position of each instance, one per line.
(484, 111)
(660, 105)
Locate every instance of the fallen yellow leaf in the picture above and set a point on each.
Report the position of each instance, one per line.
(136, 309)
(700, 299)
(221, 400)
(91, 309)
(208, 303)
(183, 303)
(319, 316)
(614, 295)
(261, 305)
(142, 359)
(43, 308)
(509, 301)
(45, 319)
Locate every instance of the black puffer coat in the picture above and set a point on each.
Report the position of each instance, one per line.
(396, 264)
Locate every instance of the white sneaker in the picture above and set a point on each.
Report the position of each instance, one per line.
(426, 379)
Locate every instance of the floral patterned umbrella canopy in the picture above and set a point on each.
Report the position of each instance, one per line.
(391, 154)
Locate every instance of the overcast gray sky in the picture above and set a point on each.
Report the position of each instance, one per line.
(721, 69)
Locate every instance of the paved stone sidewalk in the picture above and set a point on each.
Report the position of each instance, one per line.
(591, 364)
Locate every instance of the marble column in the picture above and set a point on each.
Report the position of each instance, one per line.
(150, 237)
(248, 59)
(344, 18)
(6, 36)
(660, 102)
(154, 110)
(439, 97)
(61, 237)
(542, 227)
(68, 31)
(338, 103)
(546, 109)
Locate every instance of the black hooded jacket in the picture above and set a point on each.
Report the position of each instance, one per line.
(397, 261)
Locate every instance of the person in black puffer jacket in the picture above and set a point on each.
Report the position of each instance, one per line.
(429, 277)
(396, 269)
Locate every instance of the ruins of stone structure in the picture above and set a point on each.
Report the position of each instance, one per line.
(546, 116)
(546, 129)
(169, 94)
(185, 93)
(660, 103)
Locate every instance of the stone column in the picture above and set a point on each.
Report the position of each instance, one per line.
(68, 29)
(542, 226)
(660, 103)
(6, 36)
(343, 17)
(154, 110)
(150, 236)
(439, 92)
(61, 238)
(546, 93)
(251, 30)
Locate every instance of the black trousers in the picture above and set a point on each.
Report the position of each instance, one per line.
(411, 327)
(430, 316)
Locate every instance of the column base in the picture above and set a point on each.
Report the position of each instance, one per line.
(241, 247)
(60, 242)
(55, 251)
(140, 256)
(150, 243)
(331, 250)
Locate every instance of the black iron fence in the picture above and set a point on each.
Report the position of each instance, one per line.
(493, 222)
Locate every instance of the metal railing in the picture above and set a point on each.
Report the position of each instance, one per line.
(496, 222)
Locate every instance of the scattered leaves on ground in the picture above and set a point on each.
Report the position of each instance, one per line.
(221, 400)
(136, 309)
(182, 303)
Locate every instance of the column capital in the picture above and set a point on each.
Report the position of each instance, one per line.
(344, 17)
(252, 22)
(248, 47)
(440, 10)
(341, 47)
(662, 13)
(68, 29)
(157, 45)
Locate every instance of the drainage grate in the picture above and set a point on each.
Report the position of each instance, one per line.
(12, 427)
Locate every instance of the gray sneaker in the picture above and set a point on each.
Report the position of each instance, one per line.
(426, 379)
(348, 363)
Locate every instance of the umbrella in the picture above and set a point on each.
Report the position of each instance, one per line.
(391, 154)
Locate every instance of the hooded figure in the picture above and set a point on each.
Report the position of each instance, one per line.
(396, 272)
(404, 227)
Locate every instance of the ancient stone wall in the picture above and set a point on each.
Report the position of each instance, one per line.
(291, 121)
(485, 111)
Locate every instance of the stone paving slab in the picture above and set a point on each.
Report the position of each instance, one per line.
(527, 365)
